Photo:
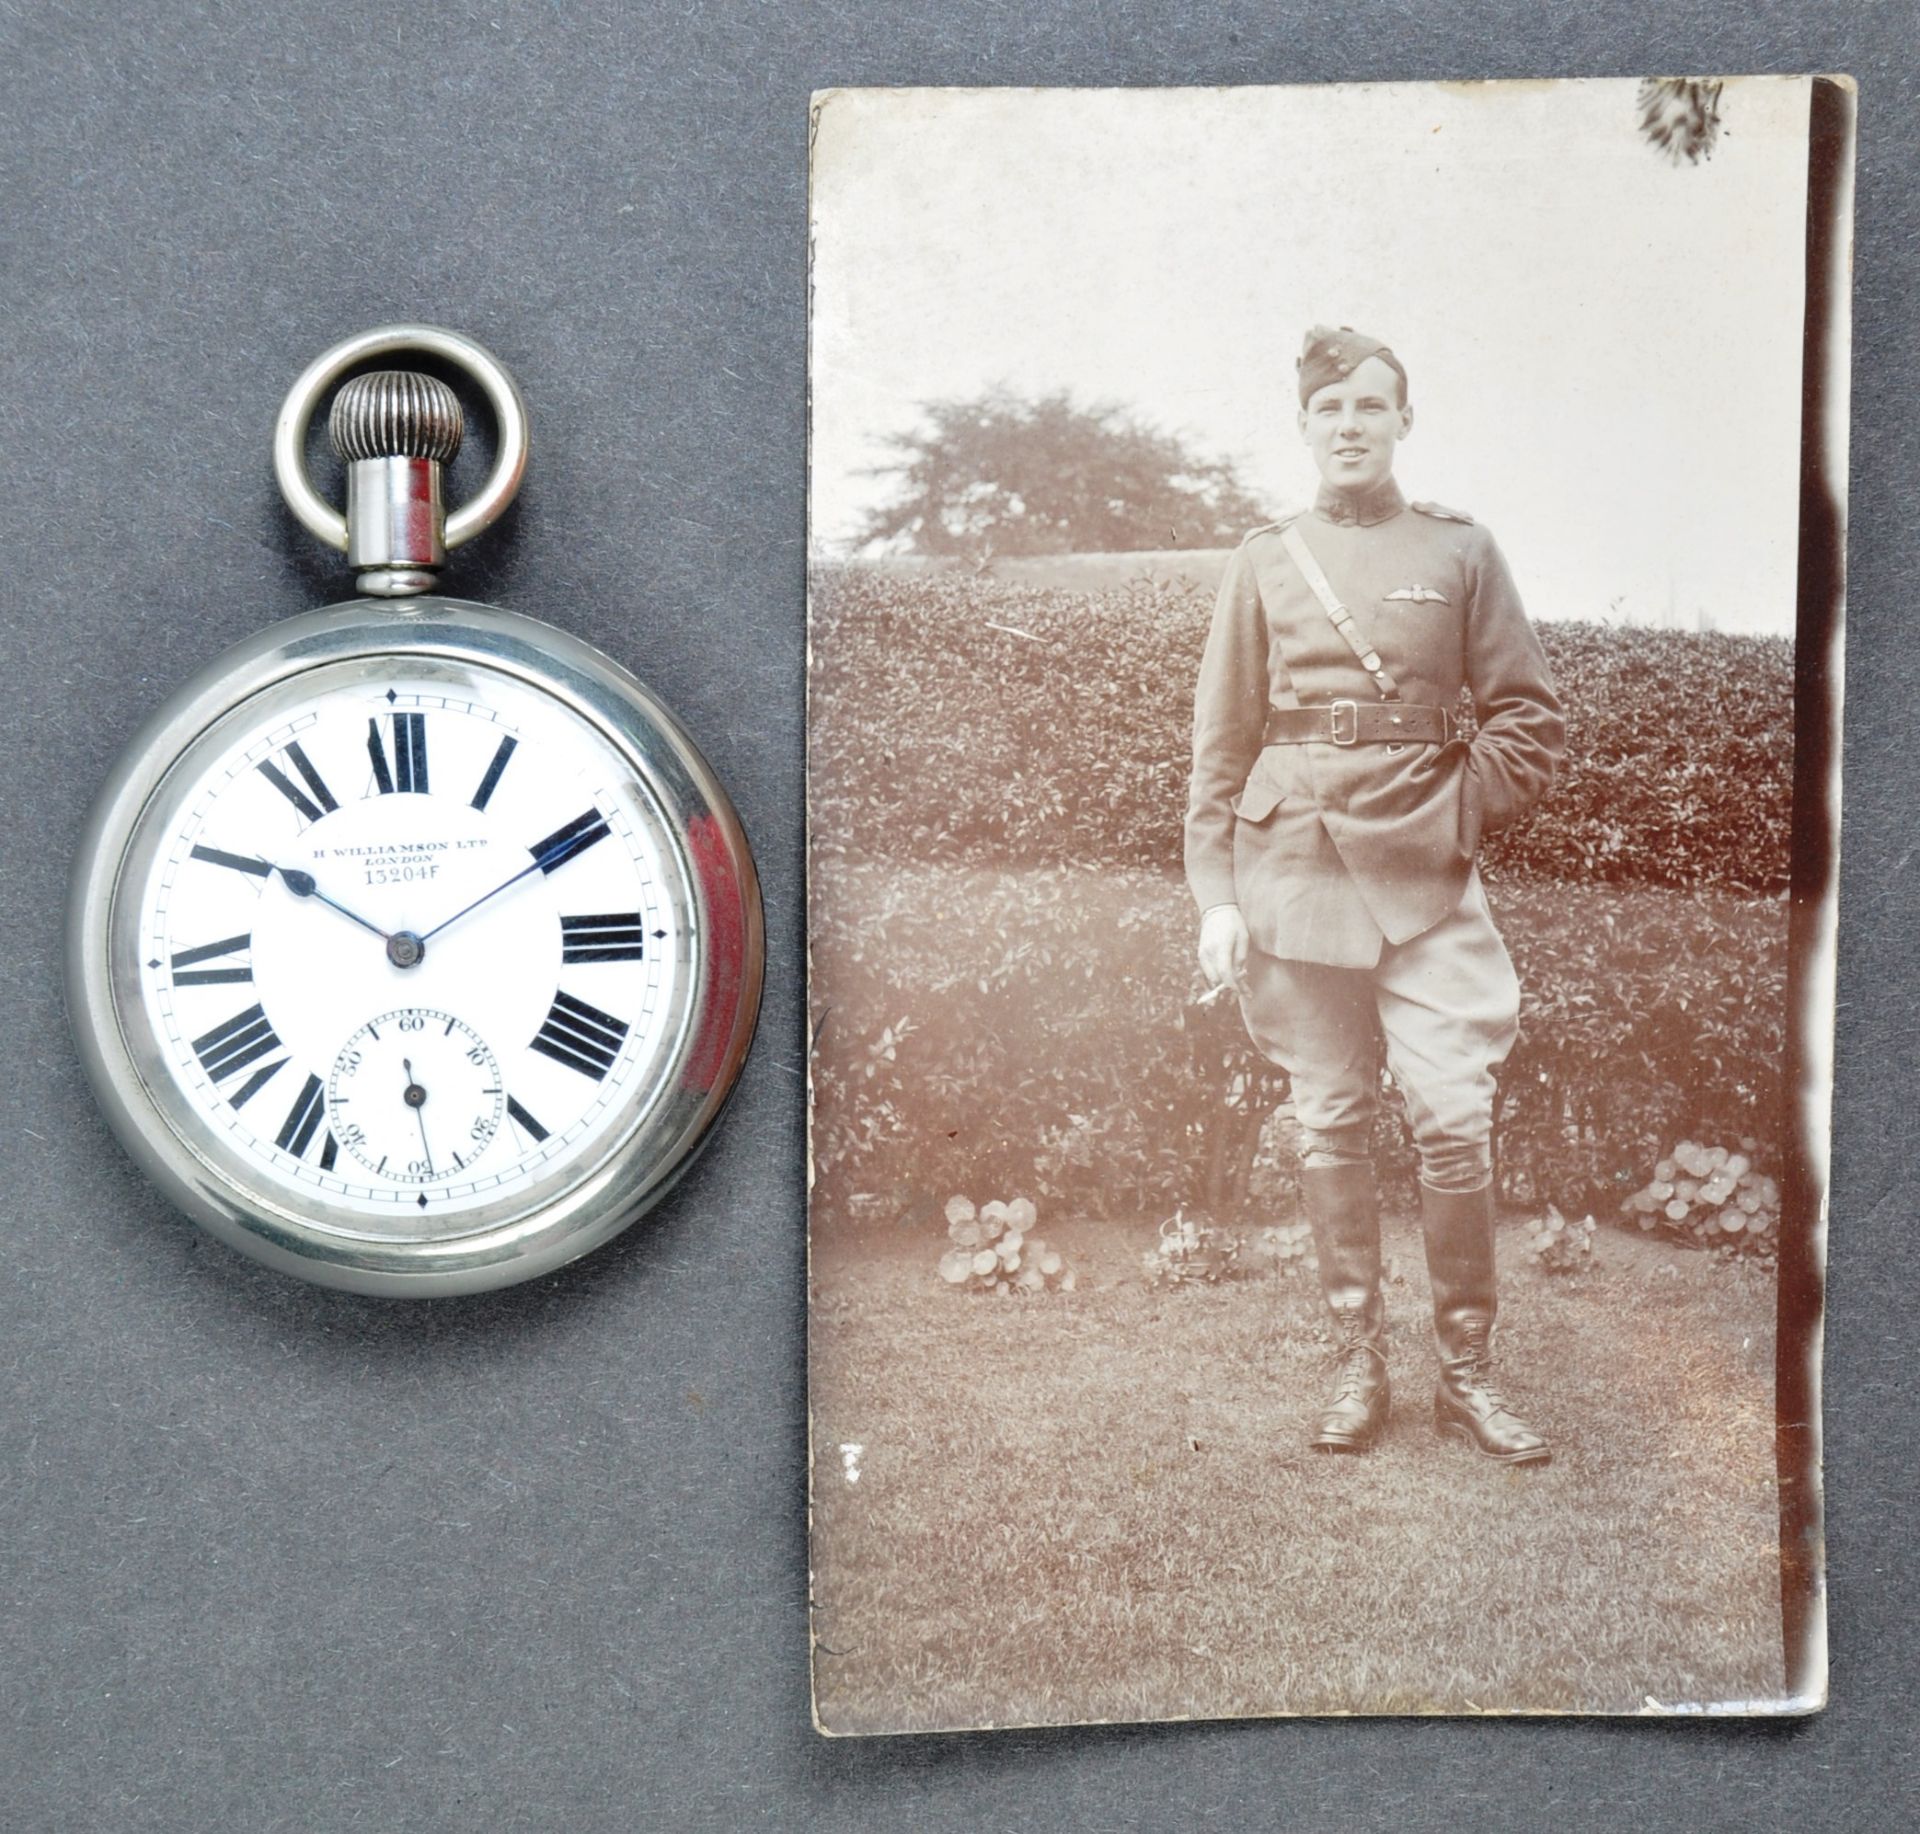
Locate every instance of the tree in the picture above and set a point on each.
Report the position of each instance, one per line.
(1002, 475)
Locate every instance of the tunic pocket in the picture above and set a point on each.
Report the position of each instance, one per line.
(1258, 798)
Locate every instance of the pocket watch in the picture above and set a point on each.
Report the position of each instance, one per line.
(413, 946)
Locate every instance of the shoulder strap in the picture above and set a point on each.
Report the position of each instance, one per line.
(1266, 528)
(1322, 588)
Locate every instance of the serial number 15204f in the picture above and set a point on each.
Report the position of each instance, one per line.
(401, 875)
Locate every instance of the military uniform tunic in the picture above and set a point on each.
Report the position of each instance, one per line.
(1330, 850)
(1353, 865)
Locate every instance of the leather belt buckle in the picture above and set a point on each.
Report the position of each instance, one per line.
(1353, 714)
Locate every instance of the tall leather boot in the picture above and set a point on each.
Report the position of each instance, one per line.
(1345, 1212)
(1459, 1230)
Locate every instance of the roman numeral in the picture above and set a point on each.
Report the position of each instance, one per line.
(409, 769)
(254, 1083)
(612, 937)
(238, 861)
(528, 1124)
(312, 808)
(563, 843)
(303, 1119)
(484, 793)
(230, 1047)
(186, 975)
(580, 1036)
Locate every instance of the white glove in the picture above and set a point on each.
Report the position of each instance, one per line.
(1223, 947)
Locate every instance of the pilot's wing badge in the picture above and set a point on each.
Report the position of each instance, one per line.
(1419, 595)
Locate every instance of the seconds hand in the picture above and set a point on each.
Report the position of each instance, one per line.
(416, 1099)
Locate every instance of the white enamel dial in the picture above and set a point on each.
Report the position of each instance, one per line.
(412, 943)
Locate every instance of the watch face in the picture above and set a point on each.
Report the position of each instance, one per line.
(411, 958)
(409, 945)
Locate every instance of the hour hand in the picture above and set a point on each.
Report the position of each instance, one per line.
(302, 886)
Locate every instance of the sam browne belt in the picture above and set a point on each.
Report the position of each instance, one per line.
(1387, 721)
(1348, 722)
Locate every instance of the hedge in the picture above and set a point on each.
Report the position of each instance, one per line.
(957, 719)
(1034, 1032)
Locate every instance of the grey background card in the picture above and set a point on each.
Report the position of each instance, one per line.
(276, 1558)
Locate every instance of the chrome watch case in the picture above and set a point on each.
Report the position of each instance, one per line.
(665, 1117)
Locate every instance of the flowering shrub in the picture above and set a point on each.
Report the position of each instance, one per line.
(1193, 1251)
(1288, 1248)
(1716, 1197)
(1556, 1246)
(995, 1251)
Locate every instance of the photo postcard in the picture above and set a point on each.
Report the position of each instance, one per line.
(1323, 806)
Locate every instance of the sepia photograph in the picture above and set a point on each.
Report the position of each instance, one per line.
(1323, 736)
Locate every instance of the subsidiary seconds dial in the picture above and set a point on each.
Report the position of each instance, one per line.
(415, 1096)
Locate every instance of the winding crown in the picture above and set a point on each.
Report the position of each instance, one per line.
(395, 413)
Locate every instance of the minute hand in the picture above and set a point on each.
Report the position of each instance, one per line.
(553, 851)
(484, 896)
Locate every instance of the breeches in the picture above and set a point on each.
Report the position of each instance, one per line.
(1447, 1004)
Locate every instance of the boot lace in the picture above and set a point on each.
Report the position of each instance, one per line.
(1476, 1364)
(1354, 1355)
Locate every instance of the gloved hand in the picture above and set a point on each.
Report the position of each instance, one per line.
(1223, 947)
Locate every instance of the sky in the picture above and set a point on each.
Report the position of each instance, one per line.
(1603, 345)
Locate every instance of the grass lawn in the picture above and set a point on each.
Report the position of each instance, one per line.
(1099, 1505)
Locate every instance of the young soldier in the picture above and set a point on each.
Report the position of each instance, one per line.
(1332, 822)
